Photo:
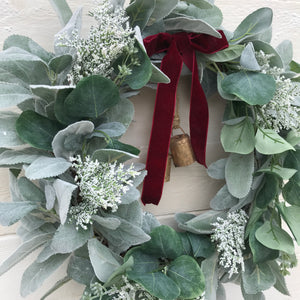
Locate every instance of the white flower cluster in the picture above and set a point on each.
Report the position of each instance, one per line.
(229, 235)
(101, 185)
(105, 43)
(128, 291)
(281, 112)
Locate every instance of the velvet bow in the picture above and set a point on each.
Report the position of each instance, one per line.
(180, 47)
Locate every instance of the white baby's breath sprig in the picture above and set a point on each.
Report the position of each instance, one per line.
(281, 112)
(109, 39)
(229, 234)
(101, 185)
(128, 291)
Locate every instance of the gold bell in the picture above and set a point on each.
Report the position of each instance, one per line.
(168, 168)
(182, 151)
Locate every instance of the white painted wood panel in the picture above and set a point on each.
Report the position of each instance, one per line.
(190, 188)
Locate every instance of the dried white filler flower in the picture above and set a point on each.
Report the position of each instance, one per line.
(110, 38)
(229, 234)
(101, 185)
(282, 111)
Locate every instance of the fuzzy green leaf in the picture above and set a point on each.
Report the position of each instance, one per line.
(253, 88)
(12, 94)
(64, 191)
(23, 250)
(239, 174)
(158, 76)
(111, 155)
(162, 9)
(63, 10)
(46, 167)
(81, 270)
(285, 50)
(267, 141)
(192, 25)
(103, 261)
(188, 276)
(8, 134)
(216, 170)
(228, 54)
(223, 200)
(30, 191)
(108, 222)
(248, 59)
(68, 239)
(210, 271)
(24, 156)
(238, 138)
(68, 141)
(201, 245)
(12, 212)
(280, 284)
(112, 129)
(37, 273)
(28, 45)
(275, 238)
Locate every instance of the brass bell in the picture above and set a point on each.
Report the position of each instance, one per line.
(182, 151)
(168, 168)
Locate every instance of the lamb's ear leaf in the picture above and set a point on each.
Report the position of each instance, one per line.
(102, 259)
(63, 10)
(239, 174)
(37, 273)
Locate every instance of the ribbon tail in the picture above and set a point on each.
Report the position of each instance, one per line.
(161, 128)
(199, 116)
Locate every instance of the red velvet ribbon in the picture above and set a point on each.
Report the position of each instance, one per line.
(180, 47)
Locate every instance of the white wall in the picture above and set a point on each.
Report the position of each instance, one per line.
(189, 189)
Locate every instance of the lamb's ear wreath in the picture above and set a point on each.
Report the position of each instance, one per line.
(75, 191)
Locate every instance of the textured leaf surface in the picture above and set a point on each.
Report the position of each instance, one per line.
(64, 191)
(255, 23)
(228, 54)
(73, 136)
(253, 88)
(210, 271)
(238, 174)
(275, 238)
(187, 274)
(269, 142)
(37, 130)
(165, 242)
(45, 167)
(103, 262)
(223, 200)
(216, 170)
(12, 212)
(23, 250)
(68, 239)
(158, 284)
(81, 270)
(63, 10)
(238, 138)
(139, 12)
(37, 273)
(92, 96)
(257, 278)
(8, 134)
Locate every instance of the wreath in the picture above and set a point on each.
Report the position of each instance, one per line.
(75, 191)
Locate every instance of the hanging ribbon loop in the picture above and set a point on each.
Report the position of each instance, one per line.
(180, 47)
